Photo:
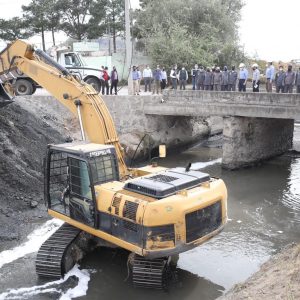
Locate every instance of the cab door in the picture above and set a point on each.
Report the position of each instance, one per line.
(82, 204)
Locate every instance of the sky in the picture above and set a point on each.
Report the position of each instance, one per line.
(268, 29)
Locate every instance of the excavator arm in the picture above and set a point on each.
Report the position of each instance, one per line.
(80, 98)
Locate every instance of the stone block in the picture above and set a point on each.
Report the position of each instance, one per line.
(248, 141)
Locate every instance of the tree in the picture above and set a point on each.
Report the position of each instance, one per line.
(34, 16)
(13, 29)
(53, 15)
(42, 15)
(207, 29)
(75, 17)
(107, 17)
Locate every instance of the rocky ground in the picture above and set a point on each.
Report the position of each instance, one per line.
(26, 127)
(278, 278)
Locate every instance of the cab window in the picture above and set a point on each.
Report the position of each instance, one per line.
(79, 179)
(104, 169)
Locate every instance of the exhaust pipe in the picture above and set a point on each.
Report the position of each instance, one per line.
(5, 98)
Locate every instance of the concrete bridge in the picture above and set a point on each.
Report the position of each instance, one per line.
(257, 126)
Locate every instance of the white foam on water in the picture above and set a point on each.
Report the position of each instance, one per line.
(33, 243)
(79, 290)
(201, 165)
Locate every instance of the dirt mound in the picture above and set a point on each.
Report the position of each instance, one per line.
(278, 278)
(26, 127)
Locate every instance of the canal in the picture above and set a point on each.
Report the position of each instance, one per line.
(264, 216)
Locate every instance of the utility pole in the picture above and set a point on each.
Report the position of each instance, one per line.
(128, 46)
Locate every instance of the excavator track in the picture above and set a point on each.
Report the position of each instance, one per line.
(51, 260)
(153, 274)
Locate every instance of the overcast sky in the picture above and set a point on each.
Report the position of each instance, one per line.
(268, 27)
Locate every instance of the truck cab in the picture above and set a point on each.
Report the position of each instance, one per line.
(72, 61)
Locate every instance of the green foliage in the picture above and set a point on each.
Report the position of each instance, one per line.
(75, 17)
(13, 29)
(177, 47)
(189, 31)
(35, 17)
(40, 16)
(107, 17)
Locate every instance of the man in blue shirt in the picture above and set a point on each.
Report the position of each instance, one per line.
(135, 80)
(270, 74)
(243, 76)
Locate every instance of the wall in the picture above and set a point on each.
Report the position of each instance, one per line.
(250, 140)
(118, 60)
(207, 103)
(132, 124)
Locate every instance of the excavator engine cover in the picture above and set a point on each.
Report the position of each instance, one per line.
(5, 98)
(167, 183)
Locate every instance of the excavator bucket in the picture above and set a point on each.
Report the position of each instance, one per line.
(5, 98)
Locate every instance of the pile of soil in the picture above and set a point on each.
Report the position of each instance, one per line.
(26, 127)
(278, 278)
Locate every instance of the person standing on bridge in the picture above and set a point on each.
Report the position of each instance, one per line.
(289, 80)
(135, 79)
(114, 79)
(217, 79)
(147, 76)
(232, 79)
(201, 78)
(208, 79)
(173, 76)
(157, 75)
(105, 86)
(213, 71)
(270, 73)
(164, 78)
(183, 77)
(243, 76)
(194, 74)
(297, 81)
(255, 78)
(224, 79)
(140, 78)
(279, 80)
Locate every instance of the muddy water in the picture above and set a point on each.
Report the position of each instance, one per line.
(264, 216)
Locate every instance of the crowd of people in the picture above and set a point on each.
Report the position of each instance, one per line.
(215, 79)
(106, 78)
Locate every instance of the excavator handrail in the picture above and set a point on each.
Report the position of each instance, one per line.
(67, 89)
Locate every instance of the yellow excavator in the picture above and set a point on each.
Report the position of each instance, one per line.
(152, 212)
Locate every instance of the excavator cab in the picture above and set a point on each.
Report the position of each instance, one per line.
(5, 98)
(72, 170)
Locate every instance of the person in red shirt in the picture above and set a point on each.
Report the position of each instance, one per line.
(106, 78)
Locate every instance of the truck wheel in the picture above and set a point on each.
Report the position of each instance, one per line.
(94, 82)
(33, 89)
(23, 87)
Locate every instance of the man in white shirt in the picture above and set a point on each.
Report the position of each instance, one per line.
(173, 76)
(147, 76)
(255, 78)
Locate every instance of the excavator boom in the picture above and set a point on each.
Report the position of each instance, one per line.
(80, 98)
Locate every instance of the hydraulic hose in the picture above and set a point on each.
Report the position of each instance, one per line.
(51, 62)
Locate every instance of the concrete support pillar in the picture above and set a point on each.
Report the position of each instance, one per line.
(250, 140)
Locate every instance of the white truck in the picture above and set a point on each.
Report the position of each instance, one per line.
(70, 60)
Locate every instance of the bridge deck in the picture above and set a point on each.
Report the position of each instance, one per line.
(207, 103)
